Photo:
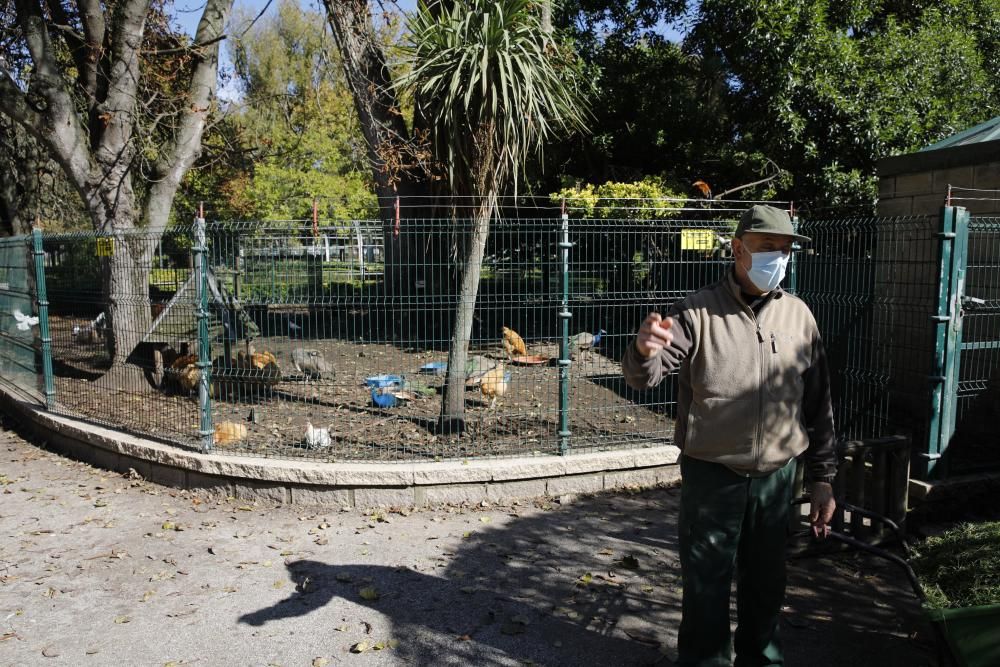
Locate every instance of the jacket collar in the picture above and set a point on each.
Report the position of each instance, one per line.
(734, 288)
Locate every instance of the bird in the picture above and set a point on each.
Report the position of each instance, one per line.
(494, 384)
(24, 322)
(311, 363)
(294, 329)
(184, 372)
(512, 343)
(584, 341)
(228, 433)
(702, 189)
(476, 367)
(90, 332)
(317, 438)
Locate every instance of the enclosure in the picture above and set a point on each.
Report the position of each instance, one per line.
(329, 341)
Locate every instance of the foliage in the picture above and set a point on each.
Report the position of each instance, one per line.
(648, 199)
(961, 567)
(825, 89)
(815, 90)
(492, 86)
(293, 135)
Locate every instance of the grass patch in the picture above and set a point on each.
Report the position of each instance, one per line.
(961, 567)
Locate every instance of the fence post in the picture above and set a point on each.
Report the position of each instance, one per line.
(564, 360)
(204, 345)
(43, 317)
(793, 273)
(953, 243)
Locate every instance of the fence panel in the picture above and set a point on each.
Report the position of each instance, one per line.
(870, 283)
(302, 320)
(976, 441)
(155, 310)
(19, 331)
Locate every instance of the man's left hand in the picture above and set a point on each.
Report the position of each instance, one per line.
(821, 508)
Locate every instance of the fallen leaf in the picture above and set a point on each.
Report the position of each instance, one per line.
(50, 652)
(360, 647)
(320, 662)
(585, 579)
(368, 593)
(630, 562)
(485, 519)
(119, 620)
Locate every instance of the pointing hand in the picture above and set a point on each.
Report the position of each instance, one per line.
(654, 335)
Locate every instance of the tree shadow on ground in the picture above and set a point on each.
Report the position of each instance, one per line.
(597, 582)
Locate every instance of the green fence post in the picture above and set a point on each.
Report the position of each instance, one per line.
(793, 273)
(43, 317)
(953, 241)
(564, 360)
(204, 344)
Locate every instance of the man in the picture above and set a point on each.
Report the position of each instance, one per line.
(754, 395)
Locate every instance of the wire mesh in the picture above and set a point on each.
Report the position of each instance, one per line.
(976, 440)
(118, 302)
(871, 285)
(19, 367)
(331, 340)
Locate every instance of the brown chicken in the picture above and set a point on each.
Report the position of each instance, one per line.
(494, 384)
(184, 372)
(258, 360)
(229, 433)
(512, 343)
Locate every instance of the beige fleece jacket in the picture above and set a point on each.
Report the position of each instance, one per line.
(754, 389)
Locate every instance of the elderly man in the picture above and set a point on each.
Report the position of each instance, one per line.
(754, 395)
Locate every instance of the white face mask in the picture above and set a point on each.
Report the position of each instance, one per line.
(767, 269)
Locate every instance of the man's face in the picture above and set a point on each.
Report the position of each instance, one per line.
(752, 242)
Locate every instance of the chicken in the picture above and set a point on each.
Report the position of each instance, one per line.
(184, 372)
(584, 341)
(512, 343)
(475, 368)
(229, 433)
(494, 384)
(311, 363)
(317, 438)
(91, 332)
(257, 360)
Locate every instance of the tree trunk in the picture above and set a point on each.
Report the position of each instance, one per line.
(453, 402)
(126, 288)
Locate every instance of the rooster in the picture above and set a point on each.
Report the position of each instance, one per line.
(494, 384)
(512, 343)
(184, 372)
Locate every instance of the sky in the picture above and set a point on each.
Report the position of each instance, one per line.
(187, 13)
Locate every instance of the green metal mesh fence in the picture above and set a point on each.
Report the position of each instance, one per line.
(330, 341)
(977, 439)
(870, 283)
(19, 329)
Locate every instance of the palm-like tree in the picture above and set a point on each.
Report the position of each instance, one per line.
(493, 87)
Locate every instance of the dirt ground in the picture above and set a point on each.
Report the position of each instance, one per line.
(603, 412)
(103, 569)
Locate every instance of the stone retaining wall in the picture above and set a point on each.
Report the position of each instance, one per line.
(355, 485)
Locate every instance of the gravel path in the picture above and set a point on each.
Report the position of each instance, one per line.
(103, 569)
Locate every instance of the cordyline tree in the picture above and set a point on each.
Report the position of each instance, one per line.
(120, 104)
(493, 87)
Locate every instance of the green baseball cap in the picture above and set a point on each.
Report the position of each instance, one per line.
(766, 219)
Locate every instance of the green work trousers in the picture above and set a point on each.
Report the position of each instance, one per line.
(729, 521)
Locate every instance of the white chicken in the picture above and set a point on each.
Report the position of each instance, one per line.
(24, 322)
(317, 438)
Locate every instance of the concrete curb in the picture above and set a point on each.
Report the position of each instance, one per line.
(356, 485)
